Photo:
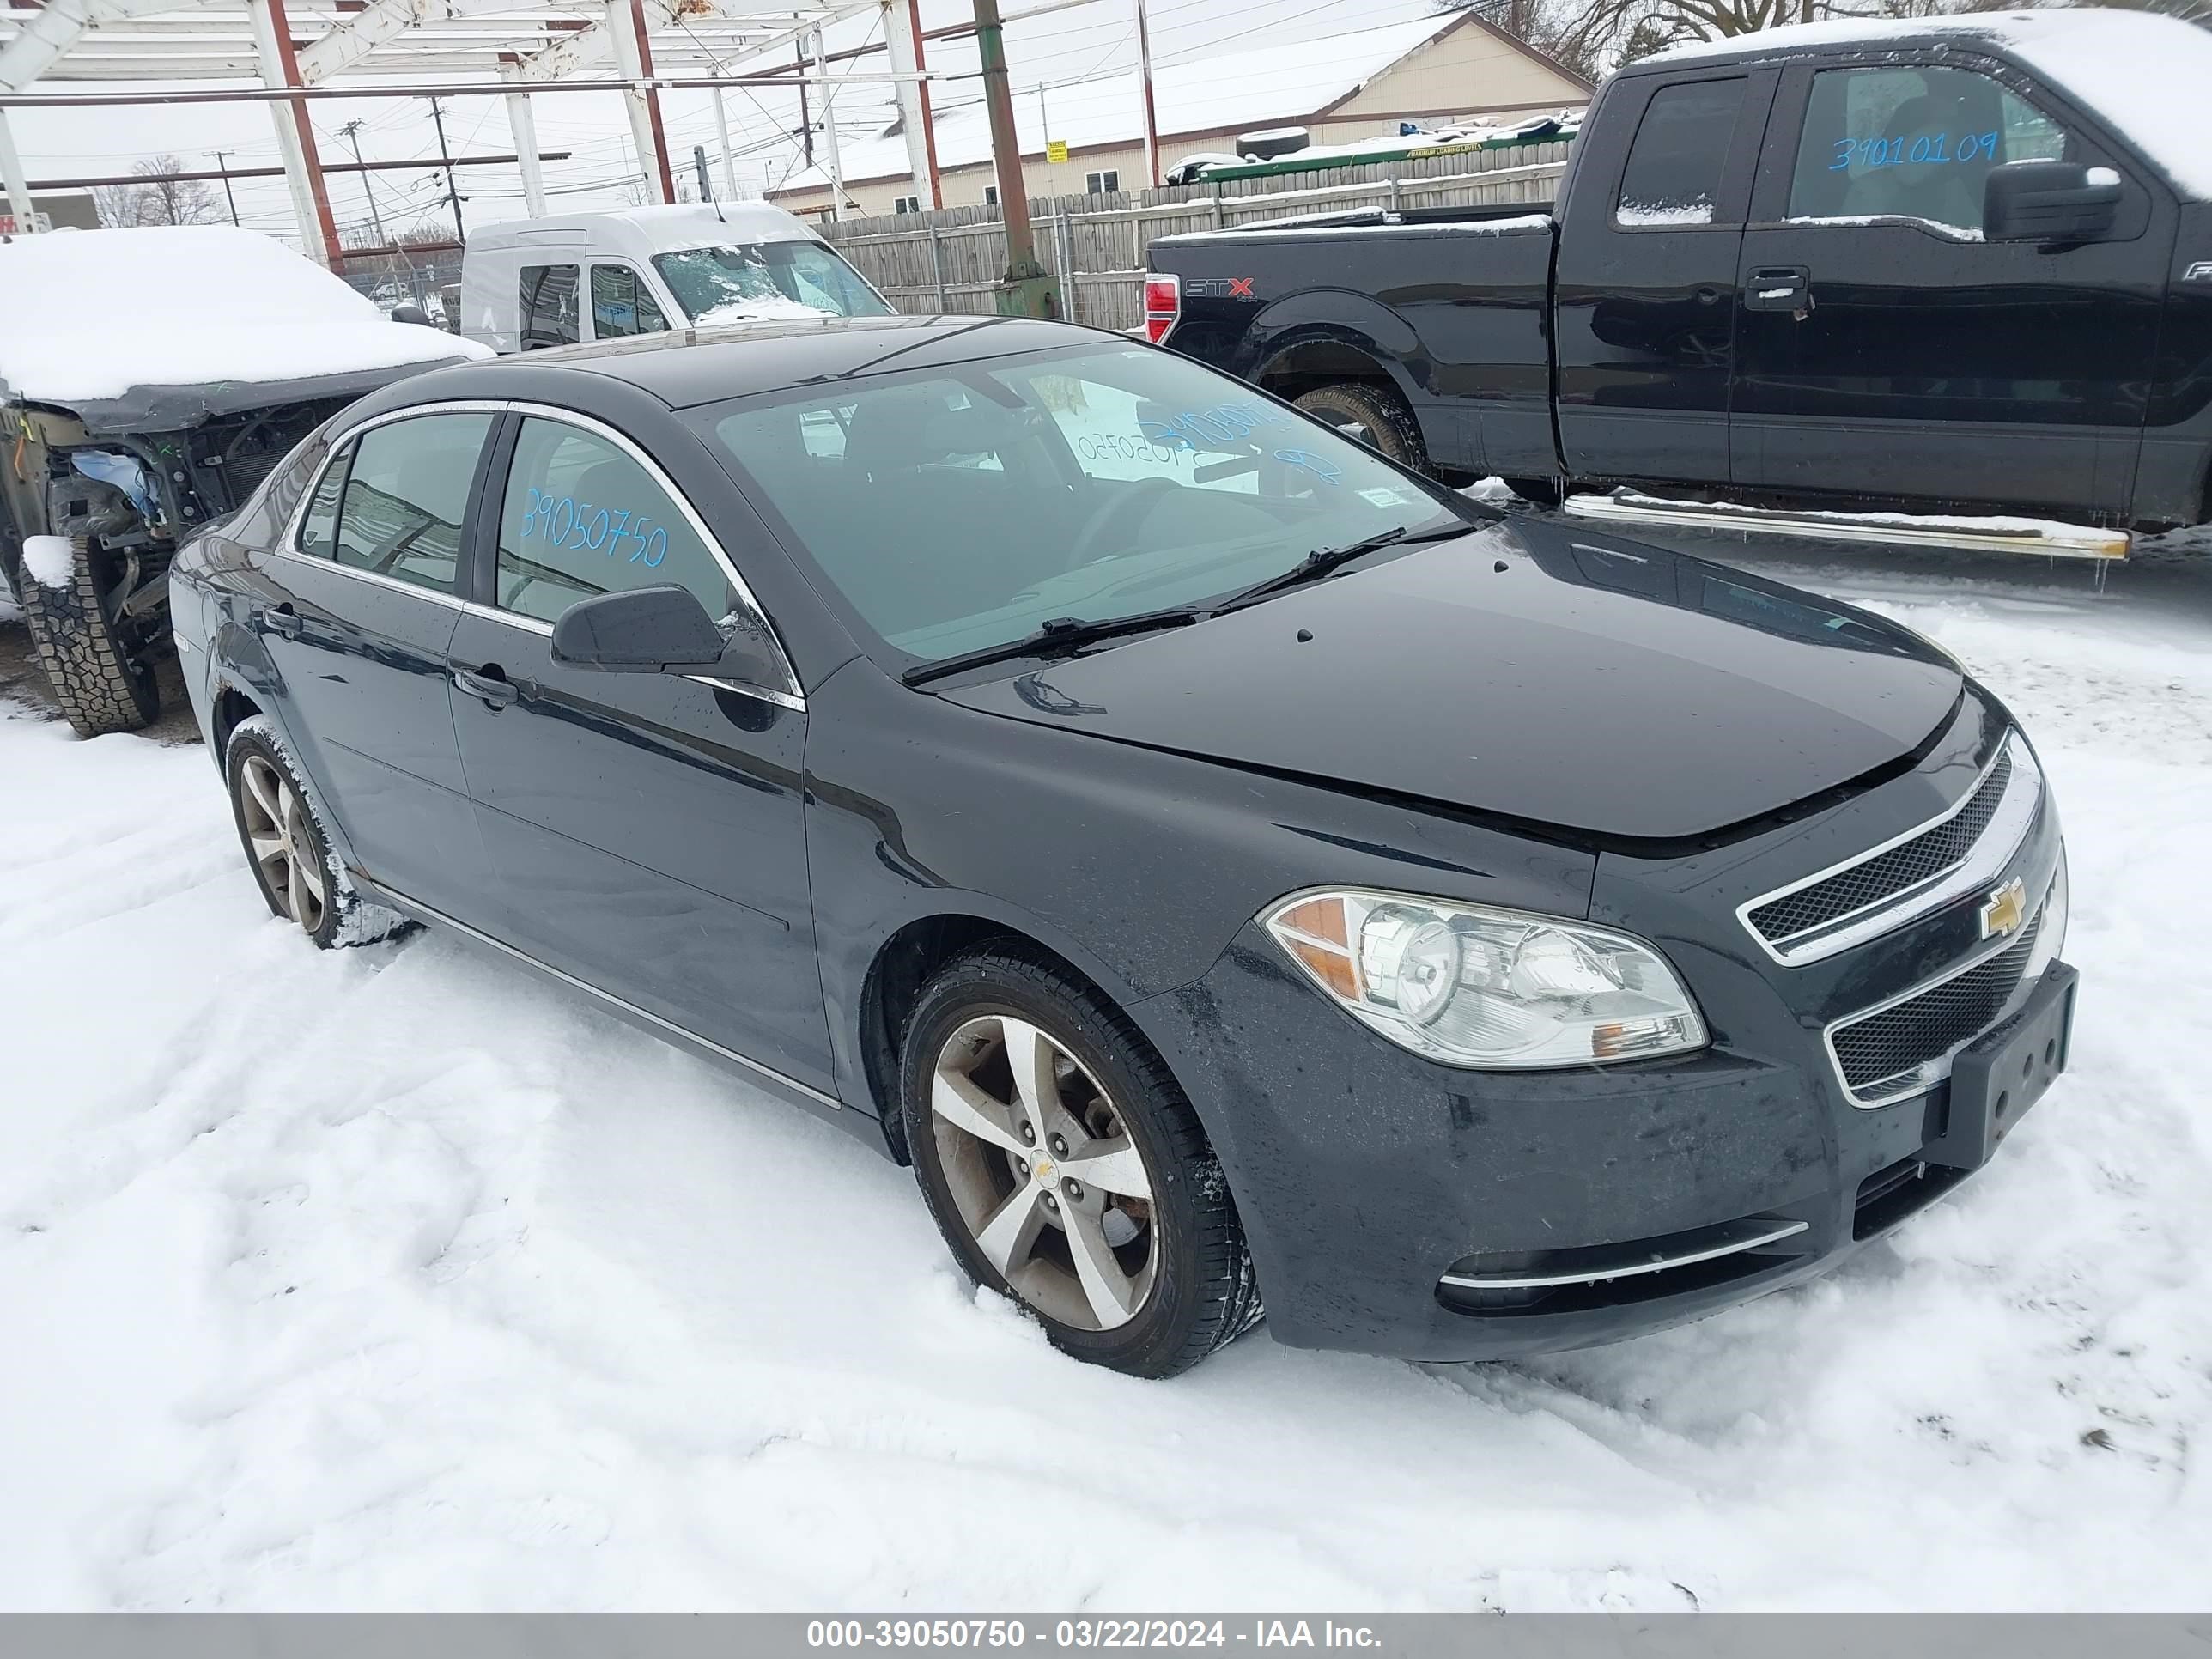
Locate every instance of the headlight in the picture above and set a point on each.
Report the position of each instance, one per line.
(1472, 986)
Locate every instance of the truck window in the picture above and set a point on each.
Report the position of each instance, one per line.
(753, 280)
(548, 307)
(1673, 171)
(1911, 142)
(621, 305)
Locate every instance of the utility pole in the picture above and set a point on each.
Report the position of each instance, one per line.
(722, 131)
(1026, 290)
(453, 191)
(805, 120)
(351, 130)
(222, 165)
(1152, 112)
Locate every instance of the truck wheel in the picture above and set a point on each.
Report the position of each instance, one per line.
(101, 685)
(299, 876)
(1066, 1168)
(1375, 414)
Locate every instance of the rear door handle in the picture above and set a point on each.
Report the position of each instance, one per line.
(489, 685)
(1779, 287)
(283, 622)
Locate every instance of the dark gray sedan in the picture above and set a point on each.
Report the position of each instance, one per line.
(1222, 862)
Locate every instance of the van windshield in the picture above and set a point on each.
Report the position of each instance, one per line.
(740, 281)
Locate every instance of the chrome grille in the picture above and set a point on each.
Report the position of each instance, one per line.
(1880, 1055)
(1887, 886)
(1884, 876)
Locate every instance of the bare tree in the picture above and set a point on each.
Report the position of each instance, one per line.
(158, 197)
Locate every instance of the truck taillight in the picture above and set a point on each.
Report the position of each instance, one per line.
(1163, 304)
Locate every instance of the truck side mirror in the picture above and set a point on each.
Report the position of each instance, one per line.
(644, 630)
(412, 314)
(2050, 202)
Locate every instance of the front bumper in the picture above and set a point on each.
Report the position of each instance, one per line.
(1400, 1206)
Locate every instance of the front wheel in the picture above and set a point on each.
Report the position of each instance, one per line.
(1066, 1168)
(92, 657)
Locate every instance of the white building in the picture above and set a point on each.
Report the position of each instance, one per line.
(1340, 87)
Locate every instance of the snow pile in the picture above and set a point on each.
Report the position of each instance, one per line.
(95, 312)
(2144, 73)
(760, 307)
(395, 1278)
(50, 560)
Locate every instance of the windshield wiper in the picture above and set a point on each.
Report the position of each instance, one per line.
(1061, 636)
(1316, 565)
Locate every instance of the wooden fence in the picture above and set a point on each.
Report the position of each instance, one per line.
(951, 259)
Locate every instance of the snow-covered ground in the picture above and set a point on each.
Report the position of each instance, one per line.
(393, 1278)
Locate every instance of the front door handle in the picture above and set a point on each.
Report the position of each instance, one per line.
(1779, 287)
(283, 622)
(490, 685)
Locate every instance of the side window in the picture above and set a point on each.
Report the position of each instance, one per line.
(318, 530)
(406, 493)
(1914, 142)
(1681, 152)
(548, 306)
(582, 518)
(622, 305)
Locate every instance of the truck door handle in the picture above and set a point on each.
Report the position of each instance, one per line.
(1779, 287)
(489, 685)
(283, 622)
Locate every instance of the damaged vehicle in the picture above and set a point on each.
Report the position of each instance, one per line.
(136, 412)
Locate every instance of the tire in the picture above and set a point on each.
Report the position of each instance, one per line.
(1182, 1283)
(102, 685)
(286, 848)
(1383, 421)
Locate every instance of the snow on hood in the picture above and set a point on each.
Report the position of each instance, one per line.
(186, 305)
(2145, 74)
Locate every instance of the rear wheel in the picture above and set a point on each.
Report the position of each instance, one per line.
(94, 658)
(1066, 1168)
(299, 878)
(1373, 414)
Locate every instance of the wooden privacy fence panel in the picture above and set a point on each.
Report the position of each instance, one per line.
(951, 259)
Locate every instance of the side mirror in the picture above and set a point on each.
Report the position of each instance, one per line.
(412, 315)
(2049, 202)
(645, 630)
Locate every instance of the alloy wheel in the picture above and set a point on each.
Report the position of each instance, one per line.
(1046, 1176)
(283, 846)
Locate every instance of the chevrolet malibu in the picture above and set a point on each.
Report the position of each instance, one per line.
(1224, 863)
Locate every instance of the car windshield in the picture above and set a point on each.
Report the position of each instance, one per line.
(744, 281)
(958, 508)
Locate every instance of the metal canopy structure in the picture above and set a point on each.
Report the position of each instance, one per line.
(315, 49)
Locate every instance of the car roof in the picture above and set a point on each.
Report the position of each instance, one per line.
(683, 368)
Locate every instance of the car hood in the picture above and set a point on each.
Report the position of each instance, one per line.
(1529, 671)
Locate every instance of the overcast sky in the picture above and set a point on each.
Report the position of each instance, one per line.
(1089, 40)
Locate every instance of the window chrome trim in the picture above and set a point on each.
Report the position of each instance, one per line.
(746, 1061)
(289, 544)
(2008, 825)
(1995, 947)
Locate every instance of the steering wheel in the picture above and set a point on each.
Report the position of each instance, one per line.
(1129, 505)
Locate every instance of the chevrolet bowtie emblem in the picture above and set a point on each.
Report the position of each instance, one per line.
(2005, 910)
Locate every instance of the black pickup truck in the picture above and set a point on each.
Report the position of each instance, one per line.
(1959, 267)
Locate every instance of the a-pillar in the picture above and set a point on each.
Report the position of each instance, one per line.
(296, 134)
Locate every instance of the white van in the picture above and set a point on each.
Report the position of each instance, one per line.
(535, 283)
